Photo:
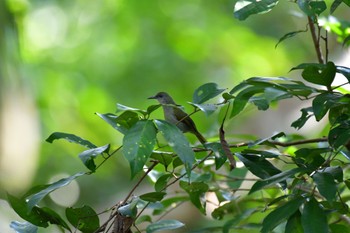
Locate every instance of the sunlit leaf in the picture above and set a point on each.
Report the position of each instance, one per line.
(138, 144)
(245, 8)
(281, 214)
(206, 108)
(123, 122)
(206, 92)
(178, 142)
(23, 227)
(70, 138)
(312, 210)
(163, 225)
(84, 218)
(37, 197)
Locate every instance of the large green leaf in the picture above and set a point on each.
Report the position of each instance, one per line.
(323, 75)
(325, 184)
(280, 177)
(281, 214)
(339, 135)
(71, 138)
(323, 102)
(294, 223)
(313, 218)
(178, 142)
(37, 197)
(138, 144)
(40, 217)
(206, 92)
(163, 225)
(83, 218)
(245, 8)
(88, 156)
(243, 97)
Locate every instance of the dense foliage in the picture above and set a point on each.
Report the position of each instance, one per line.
(301, 184)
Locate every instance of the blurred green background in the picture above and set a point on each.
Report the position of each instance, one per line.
(62, 61)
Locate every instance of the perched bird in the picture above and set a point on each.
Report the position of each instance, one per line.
(174, 114)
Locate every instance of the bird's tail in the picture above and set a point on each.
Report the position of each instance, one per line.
(200, 137)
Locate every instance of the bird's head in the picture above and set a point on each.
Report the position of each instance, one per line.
(163, 98)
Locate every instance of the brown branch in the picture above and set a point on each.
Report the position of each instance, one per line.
(315, 40)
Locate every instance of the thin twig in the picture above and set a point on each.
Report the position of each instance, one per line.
(315, 40)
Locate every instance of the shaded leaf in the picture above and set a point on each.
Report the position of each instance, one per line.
(206, 92)
(153, 196)
(84, 218)
(88, 156)
(312, 210)
(164, 225)
(123, 122)
(138, 144)
(281, 214)
(280, 177)
(220, 156)
(322, 76)
(299, 123)
(70, 138)
(196, 191)
(294, 223)
(162, 182)
(178, 142)
(325, 184)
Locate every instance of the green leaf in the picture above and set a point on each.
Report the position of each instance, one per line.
(170, 203)
(312, 210)
(138, 144)
(294, 223)
(121, 107)
(84, 218)
(70, 138)
(123, 122)
(164, 225)
(289, 35)
(162, 182)
(88, 156)
(344, 71)
(196, 191)
(153, 196)
(23, 227)
(237, 219)
(245, 8)
(312, 8)
(219, 153)
(280, 177)
(323, 102)
(298, 124)
(325, 184)
(322, 76)
(243, 97)
(129, 209)
(178, 142)
(208, 109)
(206, 92)
(37, 216)
(162, 157)
(20, 207)
(339, 135)
(281, 214)
(37, 197)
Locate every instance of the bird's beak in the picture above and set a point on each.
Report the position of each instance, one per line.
(152, 97)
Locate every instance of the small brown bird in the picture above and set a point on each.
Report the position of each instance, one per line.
(173, 114)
